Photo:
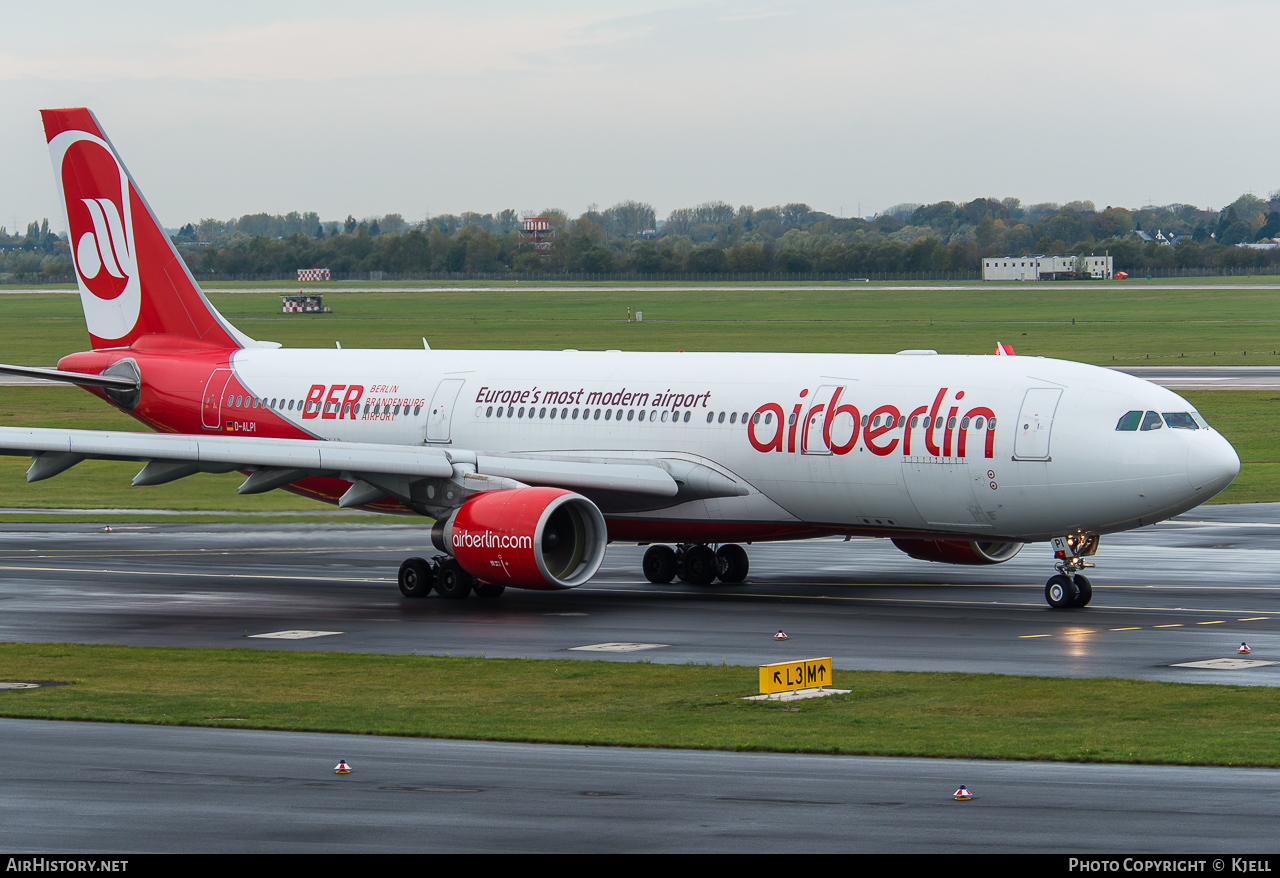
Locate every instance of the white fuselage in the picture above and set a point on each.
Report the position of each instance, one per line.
(783, 424)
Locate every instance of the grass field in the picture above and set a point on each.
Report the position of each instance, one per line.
(1139, 324)
(323, 286)
(649, 705)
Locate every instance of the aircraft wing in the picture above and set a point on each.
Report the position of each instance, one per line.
(377, 470)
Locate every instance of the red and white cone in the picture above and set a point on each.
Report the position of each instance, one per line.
(963, 794)
(1244, 648)
(781, 635)
(342, 767)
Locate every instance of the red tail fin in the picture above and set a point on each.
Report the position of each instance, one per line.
(132, 281)
(1004, 350)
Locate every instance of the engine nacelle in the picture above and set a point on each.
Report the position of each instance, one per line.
(959, 551)
(545, 538)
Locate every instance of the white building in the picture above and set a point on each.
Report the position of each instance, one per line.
(1046, 267)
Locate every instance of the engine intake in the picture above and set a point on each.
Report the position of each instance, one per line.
(959, 551)
(541, 538)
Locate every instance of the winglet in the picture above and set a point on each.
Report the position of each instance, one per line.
(1004, 350)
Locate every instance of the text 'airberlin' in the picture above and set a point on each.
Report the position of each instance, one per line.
(831, 426)
(489, 540)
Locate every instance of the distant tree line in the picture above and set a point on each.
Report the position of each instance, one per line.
(40, 252)
(710, 238)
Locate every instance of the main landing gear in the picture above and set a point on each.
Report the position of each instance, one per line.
(1069, 587)
(696, 564)
(419, 576)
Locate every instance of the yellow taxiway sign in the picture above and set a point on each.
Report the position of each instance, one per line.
(800, 674)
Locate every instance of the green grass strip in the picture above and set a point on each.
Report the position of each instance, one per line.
(638, 704)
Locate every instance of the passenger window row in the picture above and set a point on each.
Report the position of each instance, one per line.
(713, 417)
(280, 404)
(586, 414)
(260, 402)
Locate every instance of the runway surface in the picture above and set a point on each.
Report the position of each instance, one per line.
(99, 788)
(1188, 590)
(1208, 377)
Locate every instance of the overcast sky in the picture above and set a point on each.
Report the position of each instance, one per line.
(419, 107)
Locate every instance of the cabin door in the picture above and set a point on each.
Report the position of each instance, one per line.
(1035, 423)
(440, 415)
(211, 408)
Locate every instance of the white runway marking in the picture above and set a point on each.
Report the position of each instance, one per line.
(1224, 664)
(618, 647)
(296, 634)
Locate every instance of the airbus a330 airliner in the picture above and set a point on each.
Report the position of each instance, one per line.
(530, 462)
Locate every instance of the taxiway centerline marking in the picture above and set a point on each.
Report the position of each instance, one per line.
(186, 574)
(887, 600)
(587, 590)
(1139, 628)
(197, 553)
(1194, 587)
(1184, 523)
(1005, 585)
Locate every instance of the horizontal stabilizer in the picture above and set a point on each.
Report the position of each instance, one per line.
(115, 382)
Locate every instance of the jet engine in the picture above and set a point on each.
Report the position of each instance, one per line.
(959, 551)
(541, 538)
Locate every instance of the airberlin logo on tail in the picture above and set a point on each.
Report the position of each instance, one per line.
(826, 423)
(105, 248)
(95, 190)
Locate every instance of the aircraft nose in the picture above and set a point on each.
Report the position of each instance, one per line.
(1212, 463)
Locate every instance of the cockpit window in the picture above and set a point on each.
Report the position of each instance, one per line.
(1180, 421)
(1151, 421)
(1129, 422)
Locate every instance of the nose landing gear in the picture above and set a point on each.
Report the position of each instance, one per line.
(1063, 591)
(1070, 587)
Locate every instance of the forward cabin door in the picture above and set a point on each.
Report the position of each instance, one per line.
(211, 408)
(1035, 423)
(440, 415)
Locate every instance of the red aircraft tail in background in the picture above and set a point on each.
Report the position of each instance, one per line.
(1004, 350)
(132, 281)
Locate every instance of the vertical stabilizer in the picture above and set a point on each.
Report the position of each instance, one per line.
(132, 281)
